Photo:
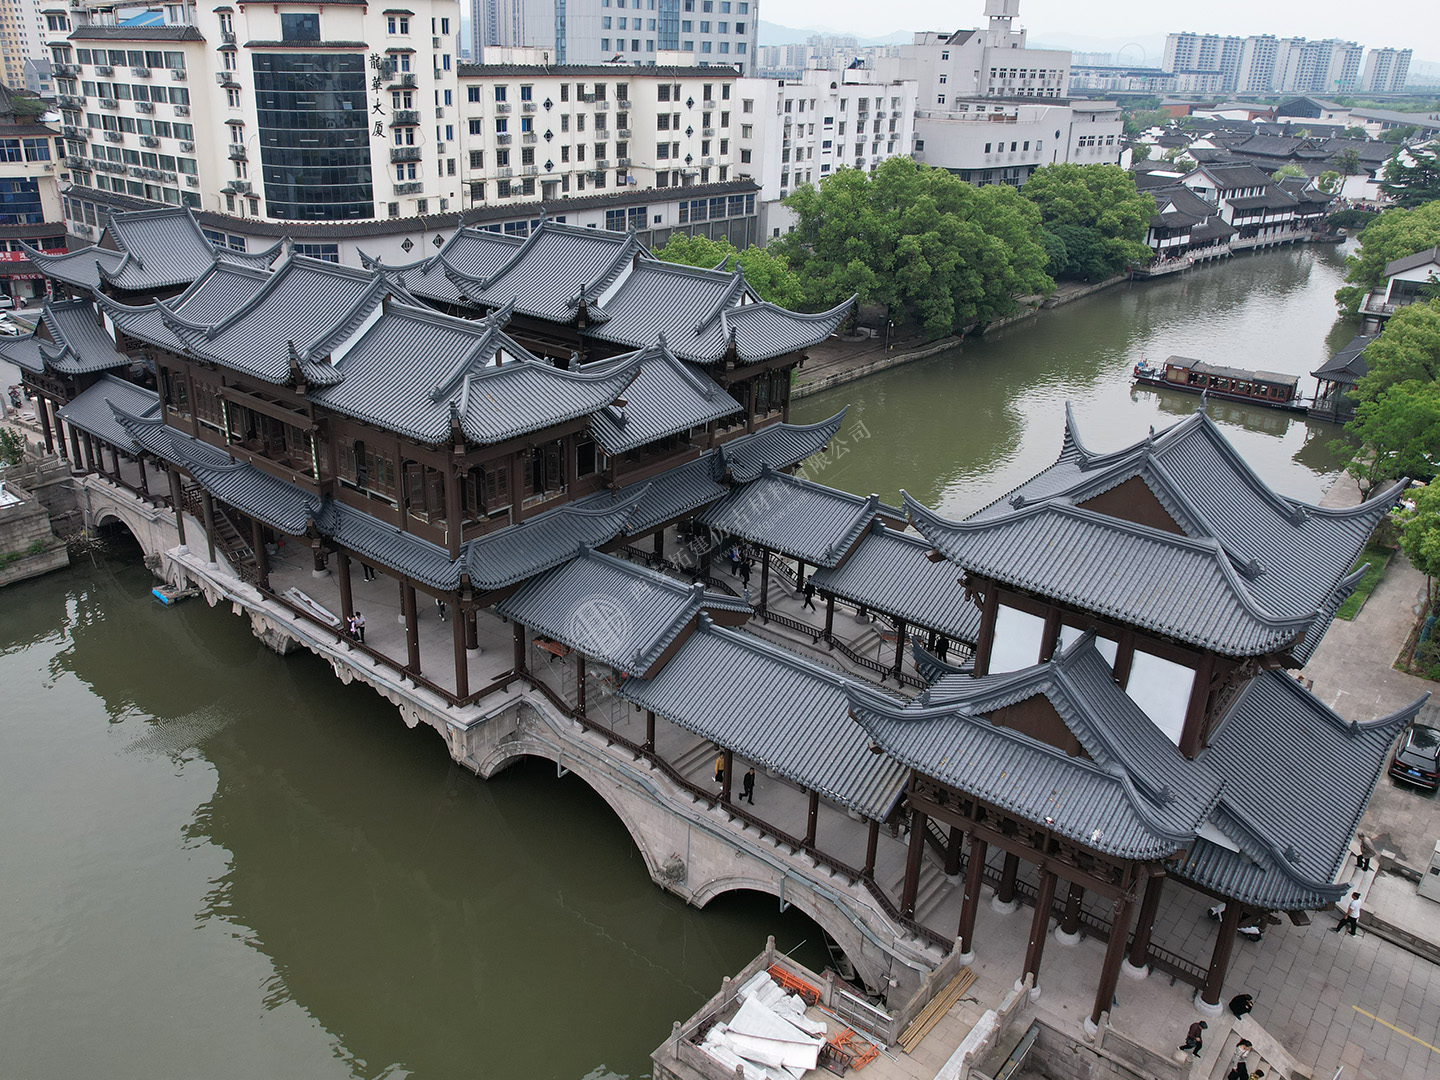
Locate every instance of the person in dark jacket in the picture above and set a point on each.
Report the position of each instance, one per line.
(1195, 1037)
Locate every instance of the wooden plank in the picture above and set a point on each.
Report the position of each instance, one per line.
(939, 1005)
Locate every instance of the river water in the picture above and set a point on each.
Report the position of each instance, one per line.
(217, 862)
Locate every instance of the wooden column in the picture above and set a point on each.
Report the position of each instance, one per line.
(519, 647)
(262, 561)
(872, 842)
(580, 685)
(462, 664)
(1114, 953)
(412, 627)
(1220, 958)
(750, 405)
(207, 513)
(986, 639)
(44, 411)
(317, 553)
(453, 517)
(764, 579)
(912, 864)
(1006, 893)
(1039, 925)
(144, 477)
(177, 497)
(1070, 924)
(1149, 905)
(347, 594)
(75, 462)
(799, 575)
(60, 446)
(899, 646)
(830, 618)
(659, 544)
(650, 730)
(729, 778)
(1050, 634)
(813, 818)
(89, 445)
(974, 881)
(952, 850)
(472, 631)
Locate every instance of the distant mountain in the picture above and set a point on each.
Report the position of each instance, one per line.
(775, 34)
(1129, 52)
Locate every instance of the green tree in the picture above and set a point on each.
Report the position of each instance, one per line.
(768, 272)
(1420, 535)
(1285, 171)
(1140, 152)
(1355, 133)
(919, 240)
(12, 447)
(1393, 235)
(1397, 412)
(1398, 134)
(26, 104)
(1328, 181)
(1103, 201)
(1412, 177)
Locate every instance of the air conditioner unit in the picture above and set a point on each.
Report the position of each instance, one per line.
(182, 110)
(178, 74)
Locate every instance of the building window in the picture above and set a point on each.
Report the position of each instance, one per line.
(300, 26)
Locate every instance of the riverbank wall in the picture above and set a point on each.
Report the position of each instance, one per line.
(28, 545)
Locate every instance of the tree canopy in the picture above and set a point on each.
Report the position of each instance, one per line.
(1347, 161)
(1098, 213)
(1412, 177)
(1397, 414)
(917, 239)
(1393, 235)
(766, 269)
(1420, 535)
(1290, 169)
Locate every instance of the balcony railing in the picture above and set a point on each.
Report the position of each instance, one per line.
(503, 138)
(404, 118)
(404, 153)
(410, 188)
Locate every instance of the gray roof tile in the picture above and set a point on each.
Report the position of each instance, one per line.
(668, 396)
(78, 343)
(91, 411)
(890, 572)
(798, 517)
(612, 610)
(775, 709)
(544, 541)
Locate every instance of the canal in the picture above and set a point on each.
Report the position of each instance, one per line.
(221, 863)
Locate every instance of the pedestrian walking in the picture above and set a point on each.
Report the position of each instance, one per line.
(368, 571)
(440, 607)
(1240, 1054)
(1241, 1004)
(810, 595)
(734, 556)
(745, 572)
(1195, 1037)
(1241, 1071)
(350, 625)
(360, 627)
(1352, 916)
(747, 786)
(720, 769)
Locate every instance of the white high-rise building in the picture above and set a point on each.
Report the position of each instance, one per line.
(1204, 54)
(1386, 71)
(22, 37)
(723, 32)
(337, 112)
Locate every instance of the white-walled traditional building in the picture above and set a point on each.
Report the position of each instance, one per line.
(793, 133)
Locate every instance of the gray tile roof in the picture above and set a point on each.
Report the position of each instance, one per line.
(24, 352)
(280, 504)
(890, 572)
(798, 517)
(96, 32)
(1173, 585)
(701, 313)
(612, 610)
(471, 253)
(545, 275)
(1348, 366)
(1292, 558)
(91, 411)
(775, 709)
(544, 541)
(668, 396)
(305, 309)
(154, 249)
(78, 343)
(387, 545)
(780, 446)
(1110, 801)
(1413, 262)
(413, 369)
(1294, 819)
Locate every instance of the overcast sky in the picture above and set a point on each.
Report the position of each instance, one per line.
(1399, 23)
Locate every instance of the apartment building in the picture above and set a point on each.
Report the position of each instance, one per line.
(533, 131)
(22, 37)
(635, 32)
(1386, 71)
(306, 112)
(989, 142)
(1263, 63)
(799, 132)
(1204, 54)
(30, 209)
(994, 62)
